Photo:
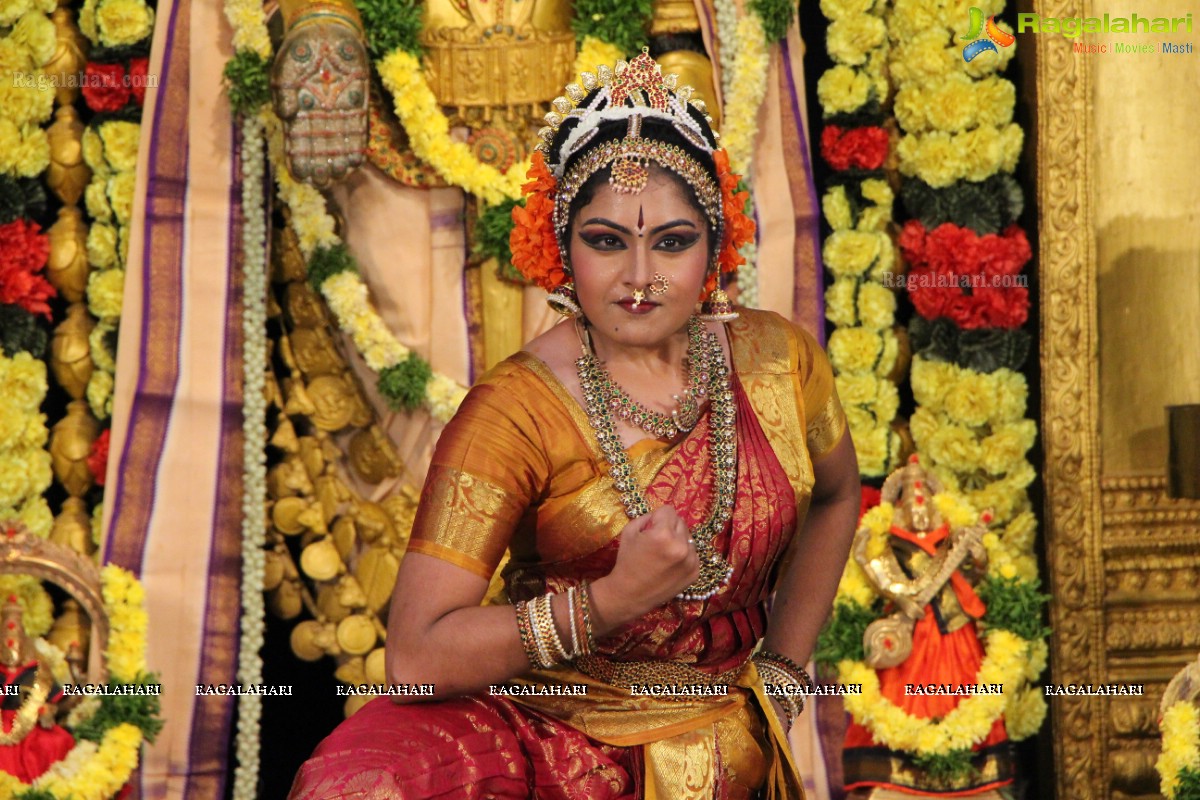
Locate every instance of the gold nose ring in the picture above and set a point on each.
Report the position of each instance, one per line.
(660, 284)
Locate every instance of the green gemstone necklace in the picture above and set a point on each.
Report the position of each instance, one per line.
(706, 361)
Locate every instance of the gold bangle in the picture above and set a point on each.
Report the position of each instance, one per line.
(544, 661)
(793, 704)
(585, 612)
(574, 623)
(526, 631)
(544, 619)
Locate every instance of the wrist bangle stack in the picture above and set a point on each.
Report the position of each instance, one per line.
(546, 631)
(790, 677)
(539, 635)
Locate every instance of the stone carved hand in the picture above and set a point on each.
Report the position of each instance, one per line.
(319, 84)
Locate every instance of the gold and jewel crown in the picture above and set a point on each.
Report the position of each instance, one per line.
(630, 88)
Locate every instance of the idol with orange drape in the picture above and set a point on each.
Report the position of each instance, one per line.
(946, 650)
(519, 469)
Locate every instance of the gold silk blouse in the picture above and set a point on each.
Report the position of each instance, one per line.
(519, 468)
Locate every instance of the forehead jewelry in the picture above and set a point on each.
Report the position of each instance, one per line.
(630, 173)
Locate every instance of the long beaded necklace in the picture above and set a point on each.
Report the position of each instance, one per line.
(707, 360)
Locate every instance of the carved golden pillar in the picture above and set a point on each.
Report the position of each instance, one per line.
(1116, 220)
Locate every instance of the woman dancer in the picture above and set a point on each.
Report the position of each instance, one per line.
(656, 475)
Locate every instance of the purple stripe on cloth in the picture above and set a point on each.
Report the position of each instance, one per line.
(162, 301)
(818, 299)
(450, 219)
(212, 718)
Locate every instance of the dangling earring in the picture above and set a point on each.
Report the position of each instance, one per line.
(717, 308)
(564, 300)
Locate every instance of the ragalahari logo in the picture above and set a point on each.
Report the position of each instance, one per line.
(994, 36)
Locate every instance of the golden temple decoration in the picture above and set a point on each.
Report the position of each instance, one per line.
(331, 552)
(22, 553)
(1123, 557)
(498, 64)
(67, 267)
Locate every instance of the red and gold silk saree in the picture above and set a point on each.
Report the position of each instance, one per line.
(519, 469)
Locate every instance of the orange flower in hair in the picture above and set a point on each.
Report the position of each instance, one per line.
(533, 241)
(738, 228)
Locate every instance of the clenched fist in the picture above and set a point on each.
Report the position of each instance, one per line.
(657, 560)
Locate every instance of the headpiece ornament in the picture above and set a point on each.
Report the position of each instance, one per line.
(631, 92)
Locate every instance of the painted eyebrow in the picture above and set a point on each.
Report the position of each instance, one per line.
(656, 229)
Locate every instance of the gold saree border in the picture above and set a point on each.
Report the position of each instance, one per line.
(770, 378)
(612, 715)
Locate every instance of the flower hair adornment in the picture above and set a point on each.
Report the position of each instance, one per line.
(629, 93)
(738, 229)
(533, 241)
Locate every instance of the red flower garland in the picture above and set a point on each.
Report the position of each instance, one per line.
(859, 148)
(138, 69)
(869, 498)
(105, 87)
(965, 277)
(23, 253)
(97, 460)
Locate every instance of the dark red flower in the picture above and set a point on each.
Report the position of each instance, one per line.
(969, 279)
(105, 87)
(870, 498)
(138, 68)
(97, 460)
(23, 253)
(859, 148)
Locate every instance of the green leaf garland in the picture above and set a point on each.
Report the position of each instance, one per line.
(247, 79)
(1188, 787)
(623, 23)
(391, 25)
(403, 384)
(140, 710)
(776, 16)
(949, 770)
(327, 262)
(1014, 605)
(842, 637)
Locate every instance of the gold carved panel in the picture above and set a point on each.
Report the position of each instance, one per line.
(1123, 558)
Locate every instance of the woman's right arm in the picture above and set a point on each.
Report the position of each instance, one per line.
(438, 633)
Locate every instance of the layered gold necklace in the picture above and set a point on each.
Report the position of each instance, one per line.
(605, 401)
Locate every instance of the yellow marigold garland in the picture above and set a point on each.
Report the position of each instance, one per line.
(1180, 745)
(346, 293)
(102, 775)
(23, 434)
(428, 131)
(125, 600)
(747, 88)
(859, 253)
(97, 772)
(592, 53)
